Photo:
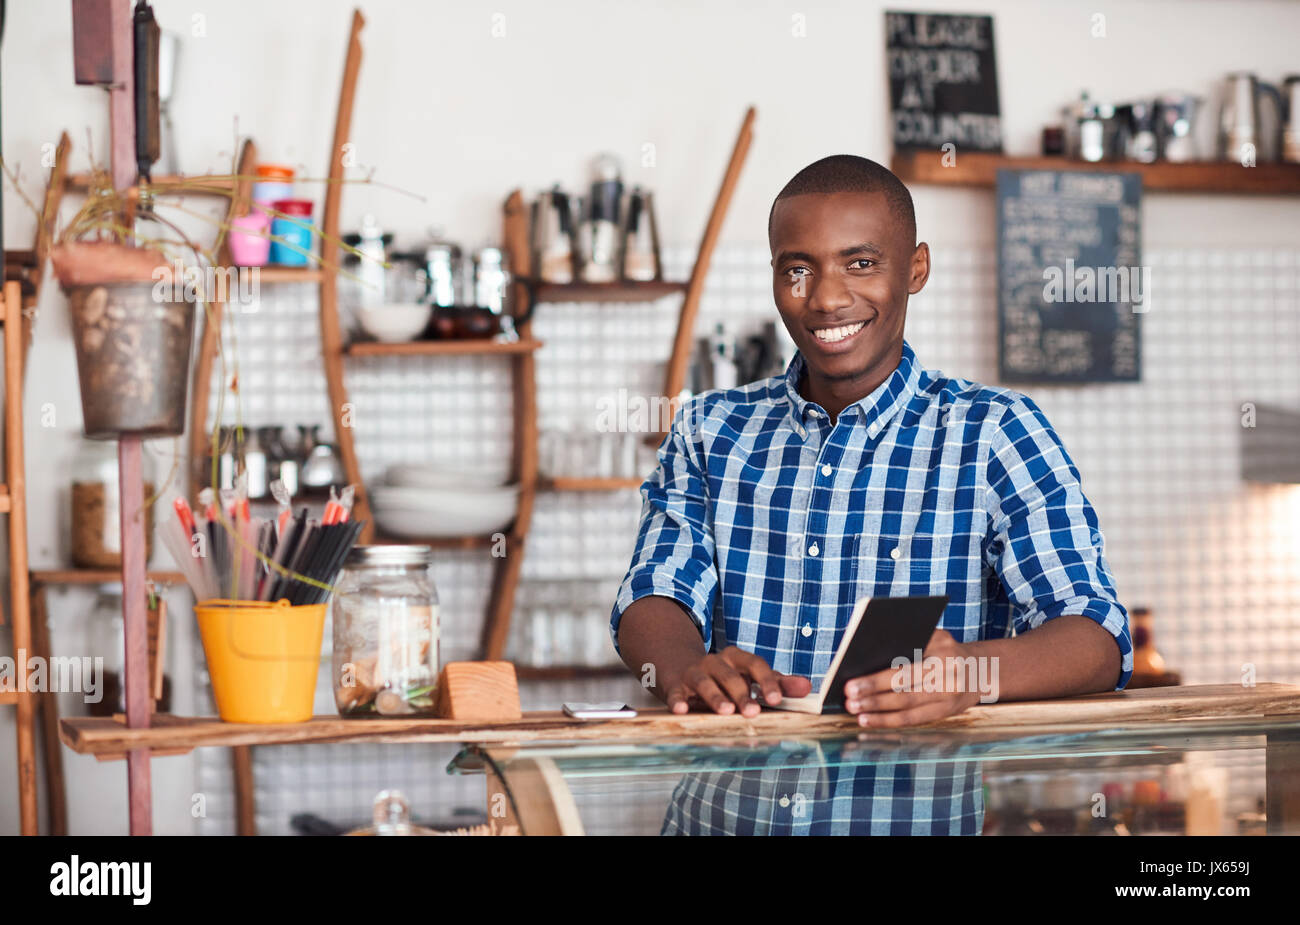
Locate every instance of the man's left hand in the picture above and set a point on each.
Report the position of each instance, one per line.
(898, 696)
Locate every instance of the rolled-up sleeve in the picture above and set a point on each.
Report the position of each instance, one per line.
(674, 555)
(1045, 543)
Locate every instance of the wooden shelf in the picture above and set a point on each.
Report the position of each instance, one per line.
(97, 576)
(977, 169)
(466, 347)
(442, 542)
(9, 697)
(1215, 705)
(589, 484)
(219, 186)
(570, 672)
(274, 274)
(602, 292)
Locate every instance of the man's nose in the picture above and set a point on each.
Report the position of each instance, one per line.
(829, 294)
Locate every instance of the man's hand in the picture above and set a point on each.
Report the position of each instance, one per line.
(722, 682)
(875, 701)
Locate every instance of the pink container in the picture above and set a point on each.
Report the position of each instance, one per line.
(249, 244)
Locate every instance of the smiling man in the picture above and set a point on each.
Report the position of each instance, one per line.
(859, 473)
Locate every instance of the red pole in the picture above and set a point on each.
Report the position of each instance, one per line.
(121, 103)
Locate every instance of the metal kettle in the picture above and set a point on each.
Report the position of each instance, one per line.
(1240, 129)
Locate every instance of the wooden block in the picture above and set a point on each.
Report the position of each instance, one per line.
(478, 691)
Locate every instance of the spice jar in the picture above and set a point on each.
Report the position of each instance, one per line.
(291, 233)
(386, 633)
(96, 506)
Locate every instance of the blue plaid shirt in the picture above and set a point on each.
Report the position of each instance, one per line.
(767, 522)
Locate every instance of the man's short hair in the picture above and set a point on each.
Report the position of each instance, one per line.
(848, 173)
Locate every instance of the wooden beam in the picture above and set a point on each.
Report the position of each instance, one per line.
(684, 341)
(330, 335)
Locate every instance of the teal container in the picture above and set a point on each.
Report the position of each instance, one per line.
(291, 233)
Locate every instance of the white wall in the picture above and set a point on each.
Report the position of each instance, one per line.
(454, 115)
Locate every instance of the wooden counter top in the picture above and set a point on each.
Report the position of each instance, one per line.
(1136, 710)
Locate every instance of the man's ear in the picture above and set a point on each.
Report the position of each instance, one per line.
(920, 268)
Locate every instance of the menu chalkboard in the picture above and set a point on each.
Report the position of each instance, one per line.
(1071, 287)
(943, 81)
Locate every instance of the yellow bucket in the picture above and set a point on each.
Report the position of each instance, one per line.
(262, 657)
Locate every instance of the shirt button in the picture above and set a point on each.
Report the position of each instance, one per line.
(806, 631)
(826, 469)
(894, 553)
(812, 550)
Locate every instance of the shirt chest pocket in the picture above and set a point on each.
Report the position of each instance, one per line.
(895, 565)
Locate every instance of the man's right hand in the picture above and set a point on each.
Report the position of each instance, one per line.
(723, 681)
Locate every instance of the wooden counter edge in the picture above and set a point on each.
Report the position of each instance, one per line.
(1123, 710)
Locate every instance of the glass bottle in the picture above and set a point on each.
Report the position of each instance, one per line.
(97, 505)
(386, 633)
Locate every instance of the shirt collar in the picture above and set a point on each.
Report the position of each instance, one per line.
(876, 410)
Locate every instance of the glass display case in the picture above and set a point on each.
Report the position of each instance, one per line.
(1238, 777)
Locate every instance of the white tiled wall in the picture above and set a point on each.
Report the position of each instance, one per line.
(1218, 561)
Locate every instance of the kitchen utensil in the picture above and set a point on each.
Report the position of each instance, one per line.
(553, 236)
(1291, 126)
(395, 323)
(1176, 117)
(322, 466)
(1241, 136)
(441, 512)
(1142, 143)
(392, 816)
(169, 50)
(146, 38)
(640, 238)
(491, 280)
(599, 232)
(442, 265)
(418, 475)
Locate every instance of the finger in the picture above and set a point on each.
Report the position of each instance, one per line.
(793, 685)
(707, 690)
(678, 699)
(875, 682)
(885, 702)
(736, 686)
(759, 671)
(910, 717)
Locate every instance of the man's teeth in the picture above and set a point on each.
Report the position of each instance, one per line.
(831, 335)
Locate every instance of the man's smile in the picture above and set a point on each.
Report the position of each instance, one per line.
(839, 337)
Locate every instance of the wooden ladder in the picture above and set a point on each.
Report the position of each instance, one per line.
(13, 502)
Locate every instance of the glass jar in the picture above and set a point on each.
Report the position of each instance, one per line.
(107, 632)
(386, 633)
(96, 507)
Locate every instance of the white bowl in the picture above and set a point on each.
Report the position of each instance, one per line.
(419, 475)
(412, 513)
(396, 323)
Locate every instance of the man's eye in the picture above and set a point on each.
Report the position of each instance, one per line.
(863, 263)
(796, 271)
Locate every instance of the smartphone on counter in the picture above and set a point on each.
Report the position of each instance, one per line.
(612, 709)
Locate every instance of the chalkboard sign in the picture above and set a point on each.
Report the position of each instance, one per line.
(943, 81)
(1071, 285)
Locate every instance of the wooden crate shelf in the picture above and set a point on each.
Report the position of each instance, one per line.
(465, 347)
(978, 169)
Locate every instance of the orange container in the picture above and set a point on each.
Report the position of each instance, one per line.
(263, 658)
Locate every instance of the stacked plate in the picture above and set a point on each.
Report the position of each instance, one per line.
(422, 501)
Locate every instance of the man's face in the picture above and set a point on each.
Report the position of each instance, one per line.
(842, 270)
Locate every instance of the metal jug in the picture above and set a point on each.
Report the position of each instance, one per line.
(552, 243)
(1240, 133)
